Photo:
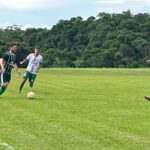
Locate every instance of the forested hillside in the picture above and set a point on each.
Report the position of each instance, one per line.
(107, 40)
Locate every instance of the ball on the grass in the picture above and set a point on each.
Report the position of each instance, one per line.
(31, 95)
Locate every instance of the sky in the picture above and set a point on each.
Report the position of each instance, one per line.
(46, 13)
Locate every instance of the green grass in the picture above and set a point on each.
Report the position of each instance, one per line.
(78, 109)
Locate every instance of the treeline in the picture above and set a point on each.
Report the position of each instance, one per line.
(108, 40)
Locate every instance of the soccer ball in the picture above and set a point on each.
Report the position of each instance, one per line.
(31, 95)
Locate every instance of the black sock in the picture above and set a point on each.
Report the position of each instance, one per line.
(2, 90)
(21, 86)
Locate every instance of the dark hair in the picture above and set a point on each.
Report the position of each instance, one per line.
(37, 47)
(12, 44)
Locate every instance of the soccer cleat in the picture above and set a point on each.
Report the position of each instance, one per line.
(147, 98)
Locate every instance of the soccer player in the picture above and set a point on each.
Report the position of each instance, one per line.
(34, 63)
(7, 62)
(147, 97)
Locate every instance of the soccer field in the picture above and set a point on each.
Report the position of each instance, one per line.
(78, 109)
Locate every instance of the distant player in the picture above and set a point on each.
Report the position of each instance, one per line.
(34, 62)
(147, 97)
(7, 62)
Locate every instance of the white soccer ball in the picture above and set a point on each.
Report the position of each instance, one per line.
(31, 95)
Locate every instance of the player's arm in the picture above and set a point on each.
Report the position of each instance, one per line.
(148, 62)
(2, 60)
(41, 64)
(2, 64)
(16, 68)
(24, 61)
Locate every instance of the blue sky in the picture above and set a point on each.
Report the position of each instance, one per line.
(46, 13)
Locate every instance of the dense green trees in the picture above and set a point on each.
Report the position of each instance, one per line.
(108, 40)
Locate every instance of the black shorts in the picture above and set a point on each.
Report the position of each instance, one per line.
(5, 78)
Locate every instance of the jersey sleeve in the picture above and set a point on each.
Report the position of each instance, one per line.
(15, 59)
(41, 60)
(28, 57)
(5, 56)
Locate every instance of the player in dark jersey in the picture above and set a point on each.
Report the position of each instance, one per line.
(7, 62)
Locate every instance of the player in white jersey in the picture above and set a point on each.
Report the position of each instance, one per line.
(34, 62)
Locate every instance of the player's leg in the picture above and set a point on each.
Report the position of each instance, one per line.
(3, 88)
(32, 78)
(26, 76)
(5, 79)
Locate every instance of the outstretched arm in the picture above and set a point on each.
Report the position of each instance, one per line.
(16, 67)
(24, 61)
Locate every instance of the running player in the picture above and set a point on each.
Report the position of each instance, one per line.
(7, 62)
(34, 63)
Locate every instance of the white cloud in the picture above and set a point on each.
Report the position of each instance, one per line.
(146, 2)
(117, 6)
(109, 2)
(46, 4)
(122, 2)
(20, 4)
(23, 27)
(33, 4)
(5, 25)
(27, 26)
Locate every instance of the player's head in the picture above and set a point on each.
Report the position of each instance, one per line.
(13, 47)
(36, 50)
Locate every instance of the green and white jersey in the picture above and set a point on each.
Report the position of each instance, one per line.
(34, 63)
(9, 60)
